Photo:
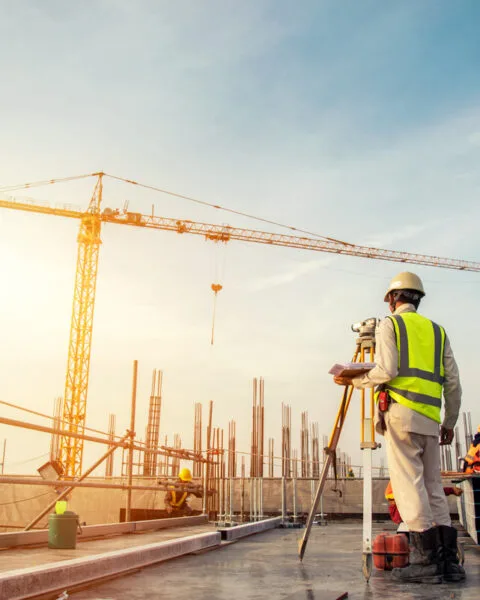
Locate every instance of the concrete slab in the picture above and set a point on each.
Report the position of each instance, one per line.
(18, 558)
(27, 583)
(266, 566)
(240, 531)
(26, 538)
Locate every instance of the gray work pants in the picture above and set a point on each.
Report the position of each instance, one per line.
(414, 466)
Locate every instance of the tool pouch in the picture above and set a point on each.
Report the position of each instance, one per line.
(383, 401)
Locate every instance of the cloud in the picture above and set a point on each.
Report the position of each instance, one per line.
(388, 239)
(289, 276)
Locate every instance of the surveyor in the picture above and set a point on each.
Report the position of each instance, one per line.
(414, 363)
(472, 458)
(176, 502)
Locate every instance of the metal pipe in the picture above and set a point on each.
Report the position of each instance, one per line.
(54, 430)
(250, 498)
(67, 490)
(283, 500)
(54, 419)
(227, 499)
(90, 438)
(294, 498)
(3, 457)
(261, 498)
(205, 489)
(128, 510)
(220, 499)
(242, 501)
(231, 499)
(58, 483)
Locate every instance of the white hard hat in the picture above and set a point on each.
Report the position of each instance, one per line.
(405, 281)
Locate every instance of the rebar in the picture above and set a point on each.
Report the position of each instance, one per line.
(197, 439)
(111, 437)
(55, 439)
(286, 441)
(131, 441)
(153, 424)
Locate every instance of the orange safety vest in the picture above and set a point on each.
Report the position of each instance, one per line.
(389, 492)
(472, 459)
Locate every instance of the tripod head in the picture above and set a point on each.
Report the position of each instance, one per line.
(366, 331)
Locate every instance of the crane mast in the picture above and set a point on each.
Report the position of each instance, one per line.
(81, 327)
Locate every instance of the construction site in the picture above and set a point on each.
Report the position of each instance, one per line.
(250, 510)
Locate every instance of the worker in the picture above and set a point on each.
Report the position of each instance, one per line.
(471, 462)
(350, 474)
(176, 502)
(414, 363)
(395, 513)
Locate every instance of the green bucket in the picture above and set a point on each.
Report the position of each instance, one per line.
(62, 530)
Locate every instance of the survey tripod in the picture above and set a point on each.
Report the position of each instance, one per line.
(364, 352)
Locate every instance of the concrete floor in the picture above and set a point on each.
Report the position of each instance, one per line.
(266, 566)
(21, 558)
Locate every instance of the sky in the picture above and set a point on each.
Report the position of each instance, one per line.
(355, 120)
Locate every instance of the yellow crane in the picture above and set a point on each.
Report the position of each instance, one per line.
(91, 220)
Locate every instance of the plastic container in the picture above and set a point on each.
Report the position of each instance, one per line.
(60, 507)
(390, 551)
(62, 530)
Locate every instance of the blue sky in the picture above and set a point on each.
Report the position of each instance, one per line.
(357, 120)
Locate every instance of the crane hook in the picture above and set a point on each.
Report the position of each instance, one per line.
(216, 287)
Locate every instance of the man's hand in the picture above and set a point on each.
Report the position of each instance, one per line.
(446, 436)
(457, 491)
(342, 380)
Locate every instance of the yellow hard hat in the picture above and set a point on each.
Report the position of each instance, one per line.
(405, 281)
(185, 475)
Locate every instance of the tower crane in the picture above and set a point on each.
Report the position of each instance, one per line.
(89, 240)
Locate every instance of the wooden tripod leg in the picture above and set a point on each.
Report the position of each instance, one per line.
(332, 446)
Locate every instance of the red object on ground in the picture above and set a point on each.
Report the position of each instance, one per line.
(390, 551)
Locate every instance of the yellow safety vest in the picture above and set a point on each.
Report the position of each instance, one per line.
(174, 502)
(419, 382)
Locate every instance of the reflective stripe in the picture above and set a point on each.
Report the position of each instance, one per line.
(423, 375)
(403, 343)
(180, 502)
(438, 351)
(416, 397)
(404, 370)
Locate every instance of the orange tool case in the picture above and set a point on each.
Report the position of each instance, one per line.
(390, 551)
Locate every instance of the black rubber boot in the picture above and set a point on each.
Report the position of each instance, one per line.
(425, 559)
(452, 569)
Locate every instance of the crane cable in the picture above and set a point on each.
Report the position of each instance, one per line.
(153, 188)
(24, 186)
(169, 193)
(223, 208)
(216, 287)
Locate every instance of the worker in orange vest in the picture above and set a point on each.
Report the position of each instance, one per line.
(472, 458)
(393, 509)
(176, 502)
